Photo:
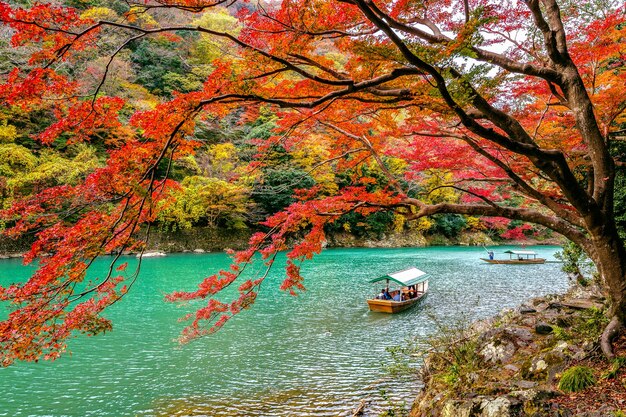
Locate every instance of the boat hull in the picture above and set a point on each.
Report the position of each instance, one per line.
(389, 306)
(515, 261)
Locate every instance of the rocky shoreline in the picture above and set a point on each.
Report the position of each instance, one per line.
(512, 365)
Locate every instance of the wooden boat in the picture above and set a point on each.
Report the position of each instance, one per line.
(412, 286)
(517, 257)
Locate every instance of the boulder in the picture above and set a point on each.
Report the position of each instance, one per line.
(498, 407)
(498, 351)
(543, 328)
(520, 333)
(458, 408)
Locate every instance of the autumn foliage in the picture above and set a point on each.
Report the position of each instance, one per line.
(509, 104)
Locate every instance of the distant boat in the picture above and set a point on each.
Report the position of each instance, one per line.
(409, 285)
(516, 257)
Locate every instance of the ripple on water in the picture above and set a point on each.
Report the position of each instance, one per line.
(292, 402)
(318, 354)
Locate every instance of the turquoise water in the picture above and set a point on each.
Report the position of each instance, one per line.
(317, 354)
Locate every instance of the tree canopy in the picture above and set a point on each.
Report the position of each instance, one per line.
(514, 105)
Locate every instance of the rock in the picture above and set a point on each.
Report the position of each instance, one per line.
(523, 359)
(499, 407)
(534, 394)
(458, 408)
(151, 254)
(520, 333)
(582, 304)
(498, 351)
(482, 326)
(511, 368)
(199, 251)
(537, 366)
(482, 407)
(598, 298)
(578, 354)
(561, 346)
(543, 328)
(550, 316)
(525, 384)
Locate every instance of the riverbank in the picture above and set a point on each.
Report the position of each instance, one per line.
(217, 240)
(525, 362)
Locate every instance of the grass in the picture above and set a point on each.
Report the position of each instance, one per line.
(577, 378)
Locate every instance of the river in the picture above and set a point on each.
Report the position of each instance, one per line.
(317, 354)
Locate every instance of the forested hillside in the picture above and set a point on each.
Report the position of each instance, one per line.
(231, 181)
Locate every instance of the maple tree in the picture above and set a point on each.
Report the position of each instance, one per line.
(514, 102)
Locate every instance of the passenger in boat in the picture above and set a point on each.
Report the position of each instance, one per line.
(397, 297)
(383, 295)
(412, 291)
(491, 255)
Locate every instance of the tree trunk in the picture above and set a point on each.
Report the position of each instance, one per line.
(610, 259)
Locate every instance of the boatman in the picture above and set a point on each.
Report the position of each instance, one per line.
(490, 255)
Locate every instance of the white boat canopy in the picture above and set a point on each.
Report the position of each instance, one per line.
(520, 252)
(405, 278)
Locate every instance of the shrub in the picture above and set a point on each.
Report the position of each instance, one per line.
(576, 264)
(449, 225)
(576, 378)
(373, 225)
